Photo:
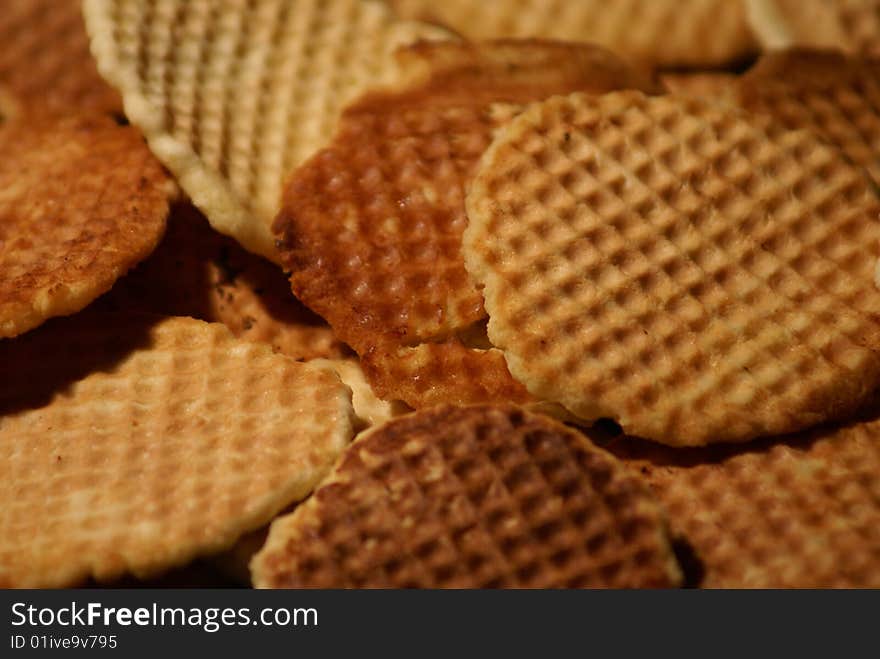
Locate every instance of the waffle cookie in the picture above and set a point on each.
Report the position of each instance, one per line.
(233, 95)
(654, 32)
(45, 58)
(828, 93)
(463, 497)
(674, 264)
(852, 26)
(81, 201)
(801, 512)
(134, 444)
(371, 226)
(198, 272)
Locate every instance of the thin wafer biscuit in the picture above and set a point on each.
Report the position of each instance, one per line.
(714, 85)
(198, 272)
(675, 265)
(45, 58)
(369, 411)
(656, 32)
(233, 95)
(371, 226)
(131, 444)
(852, 26)
(828, 93)
(82, 200)
(472, 497)
(800, 512)
(369, 408)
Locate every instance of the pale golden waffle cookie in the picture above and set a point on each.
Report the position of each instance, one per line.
(472, 497)
(655, 32)
(371, 226)
(82, 200)
(672, 264)
(233, 95)
(45, 58)
(134, 444)
(713, 85)
(835, 96)
(369, 409)
(852, 26)
(198, 272)
(801, 512)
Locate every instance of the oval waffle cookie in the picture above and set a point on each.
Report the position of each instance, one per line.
(131, 444)
(800, 512)
(371, 226)
(471, 497)
(671, 263)
(82, 200)
(233, 95)
(656, 32)
(833, 95)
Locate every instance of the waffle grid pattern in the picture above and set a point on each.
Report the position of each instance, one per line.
(472, 497)
(800, 513)
(232, 95)
(852, 26)
(837, 98)
(371, 226)
(662, 32)
(186, 441)
(662, 262)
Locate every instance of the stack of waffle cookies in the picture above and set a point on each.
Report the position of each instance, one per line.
(405, 294)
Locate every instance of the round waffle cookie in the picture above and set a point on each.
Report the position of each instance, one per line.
(198, 272)
(849, 25)
(371, 225)
(81, 201)
(677, 266)
(233, 95)
(131, 444)
(655, 32)
(472, 497)
(45, 58)
(835, 96)
(801, 512)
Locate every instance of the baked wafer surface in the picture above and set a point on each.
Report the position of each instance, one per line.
(198, 272)
(657, 32)
(82, 200)
(232, 95)
(797, 512)
(132, 444)
(471, 497)
(371, 226)
(673, 264)
(45, 58)
(831, 94)
(714, 85)
(852, 26)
